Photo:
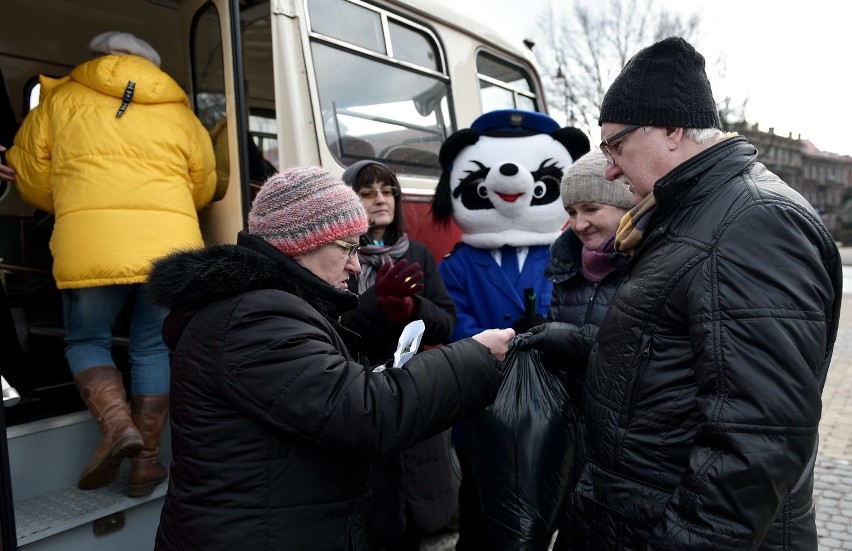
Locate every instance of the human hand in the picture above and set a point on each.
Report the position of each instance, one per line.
(561, 344)
(542, 336)
(6, 172)
(397, 309)
(497, 341)
(398, 280)
(395, 284)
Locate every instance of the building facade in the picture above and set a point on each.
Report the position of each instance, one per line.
(824, 179)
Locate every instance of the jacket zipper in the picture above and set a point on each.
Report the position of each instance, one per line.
(643, 363)
(625, 420)
(591, 303)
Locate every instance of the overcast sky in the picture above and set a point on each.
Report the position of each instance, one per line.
(790, 58)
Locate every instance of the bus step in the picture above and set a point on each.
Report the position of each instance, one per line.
(53, 513)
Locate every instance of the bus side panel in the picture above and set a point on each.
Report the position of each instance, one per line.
(418, 217)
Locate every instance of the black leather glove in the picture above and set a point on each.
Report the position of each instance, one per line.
(563, 346)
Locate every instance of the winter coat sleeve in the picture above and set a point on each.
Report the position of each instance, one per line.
(760, 361)
(202, 164)
(283, 367)
(31, 158)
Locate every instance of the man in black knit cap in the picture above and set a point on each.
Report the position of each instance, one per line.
(703, 382)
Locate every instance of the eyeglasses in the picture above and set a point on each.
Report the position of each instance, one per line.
(350, 248)
(614, 138)
(370, 193)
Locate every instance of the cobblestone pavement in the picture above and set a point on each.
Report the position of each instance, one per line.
(833, 484)
(833, 480)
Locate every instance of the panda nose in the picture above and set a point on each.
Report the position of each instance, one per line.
(508, 169)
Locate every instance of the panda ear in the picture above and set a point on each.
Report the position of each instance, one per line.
(442, 203)
(574, 140)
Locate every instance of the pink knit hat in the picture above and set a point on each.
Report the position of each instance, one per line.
(303, 208)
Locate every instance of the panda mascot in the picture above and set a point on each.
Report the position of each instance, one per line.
(500, 182)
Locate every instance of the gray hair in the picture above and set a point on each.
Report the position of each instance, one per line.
(703, 135)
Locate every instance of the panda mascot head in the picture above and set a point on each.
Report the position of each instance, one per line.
(500, 178)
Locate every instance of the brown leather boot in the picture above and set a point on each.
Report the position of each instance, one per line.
(150, 412)
(103, 392)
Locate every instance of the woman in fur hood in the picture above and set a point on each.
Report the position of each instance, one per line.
(273, 420)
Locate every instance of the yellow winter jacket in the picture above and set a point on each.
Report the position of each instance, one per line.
(125, 190)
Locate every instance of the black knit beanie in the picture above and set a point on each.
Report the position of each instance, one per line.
(663, 85)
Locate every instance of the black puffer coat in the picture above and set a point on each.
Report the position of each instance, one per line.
(273, 424)
(702, 396)
(413, 488)
(576, 299)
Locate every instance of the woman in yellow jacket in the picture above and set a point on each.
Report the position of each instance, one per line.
(115, 152)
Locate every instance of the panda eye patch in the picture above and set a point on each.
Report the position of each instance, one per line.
(547, 180)
(548, 171)
(473, 177)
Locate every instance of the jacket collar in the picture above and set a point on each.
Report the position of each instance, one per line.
(187, 280)
(712, 167)
(566, 258)
(695, 179)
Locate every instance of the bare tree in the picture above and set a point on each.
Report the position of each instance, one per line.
(582, 52)
(732, 113)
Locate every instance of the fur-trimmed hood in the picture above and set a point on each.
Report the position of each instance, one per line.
(187, 280)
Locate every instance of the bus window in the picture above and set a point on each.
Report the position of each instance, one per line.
(208, 88)
(34, 95)
(383, 86)
(503, 85)
(208, 79)
(259, 81)
(263, 129)
(349, 23)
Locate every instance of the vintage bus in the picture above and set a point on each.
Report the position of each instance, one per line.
(278, 83)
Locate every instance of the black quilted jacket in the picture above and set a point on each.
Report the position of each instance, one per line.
(576, 299)
(273, 423)
(702, 392)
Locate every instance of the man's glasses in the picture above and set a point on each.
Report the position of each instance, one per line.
(350, 248)
(370, 193)
(614, 138)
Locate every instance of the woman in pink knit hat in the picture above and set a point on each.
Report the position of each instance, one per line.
(273, 420)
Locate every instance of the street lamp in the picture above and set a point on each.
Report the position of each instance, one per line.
(562, 82)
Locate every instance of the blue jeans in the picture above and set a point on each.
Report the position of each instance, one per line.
(89, 320)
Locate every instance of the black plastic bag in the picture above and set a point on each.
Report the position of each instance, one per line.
(521, 451)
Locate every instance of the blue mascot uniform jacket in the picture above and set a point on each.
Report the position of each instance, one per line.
(482, 294)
